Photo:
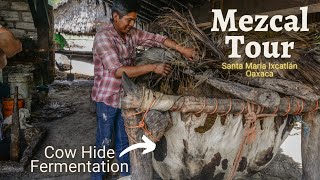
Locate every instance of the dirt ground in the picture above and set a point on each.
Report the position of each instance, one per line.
(75, 127)
(68, 132)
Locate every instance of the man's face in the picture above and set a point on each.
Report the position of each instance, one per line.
(125, 23)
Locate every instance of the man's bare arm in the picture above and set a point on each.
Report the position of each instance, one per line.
(162, 69)
(135, 71)
(187, 52)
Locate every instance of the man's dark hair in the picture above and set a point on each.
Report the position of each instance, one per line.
(124, 7)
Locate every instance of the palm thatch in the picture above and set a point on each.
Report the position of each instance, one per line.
(304, 54)
(80, 17)
(213, 51)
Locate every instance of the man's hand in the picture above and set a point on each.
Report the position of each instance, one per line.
(162, 69)
(189, 53)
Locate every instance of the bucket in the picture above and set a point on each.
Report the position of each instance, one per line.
(8, 104)
(23, 81)
(27, 104)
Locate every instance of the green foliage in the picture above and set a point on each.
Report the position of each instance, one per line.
(54, 2)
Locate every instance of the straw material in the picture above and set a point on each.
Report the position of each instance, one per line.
(212, 52)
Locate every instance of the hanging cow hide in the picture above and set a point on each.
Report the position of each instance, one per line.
(207, 155)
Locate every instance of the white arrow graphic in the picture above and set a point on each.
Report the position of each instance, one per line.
(148, 145)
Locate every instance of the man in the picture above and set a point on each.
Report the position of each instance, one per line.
(113, 53)
(9, 46)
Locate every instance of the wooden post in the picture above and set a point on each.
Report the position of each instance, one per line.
(42, 16)
(310, 146)
(15, 129)
(51, 52)
(141, 164)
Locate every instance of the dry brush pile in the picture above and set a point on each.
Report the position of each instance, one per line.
(212, 52)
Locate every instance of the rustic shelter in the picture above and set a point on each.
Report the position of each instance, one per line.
(213, 126)
(84, 17)
(80, 17)
(208, 123)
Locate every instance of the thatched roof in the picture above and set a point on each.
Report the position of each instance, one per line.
(84, 17)
(80, 17)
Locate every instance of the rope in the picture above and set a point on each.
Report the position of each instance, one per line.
(302, 107)
(289, 108)
(142, 125)
(275, 111)
(204, 105)
(216, 108)
(243, 108)
(298, 110)
(134, 114)
(317, 105)
(184, 100)
(249, 134)
(230, 107)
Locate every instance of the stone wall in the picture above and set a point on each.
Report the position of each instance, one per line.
(36, 55)
(16, 16)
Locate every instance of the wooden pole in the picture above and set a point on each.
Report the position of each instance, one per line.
(263, 97)
(259, 96)
(284, 86)
(42, 25)
(139, 98)
(141, 164)
(310, 146)
(15, 129)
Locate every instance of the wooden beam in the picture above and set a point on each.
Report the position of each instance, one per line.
(51, 54)
(313, 8)
(15, 129)
(43, 38)
(263, 97)
(155, 4)
(142, 98)
(43, 25)
(32, 6)
(147, 10)
(310, 145)
(146, 15)
(283, 86)
(71, 53)
(143, 18)
(142, 15)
